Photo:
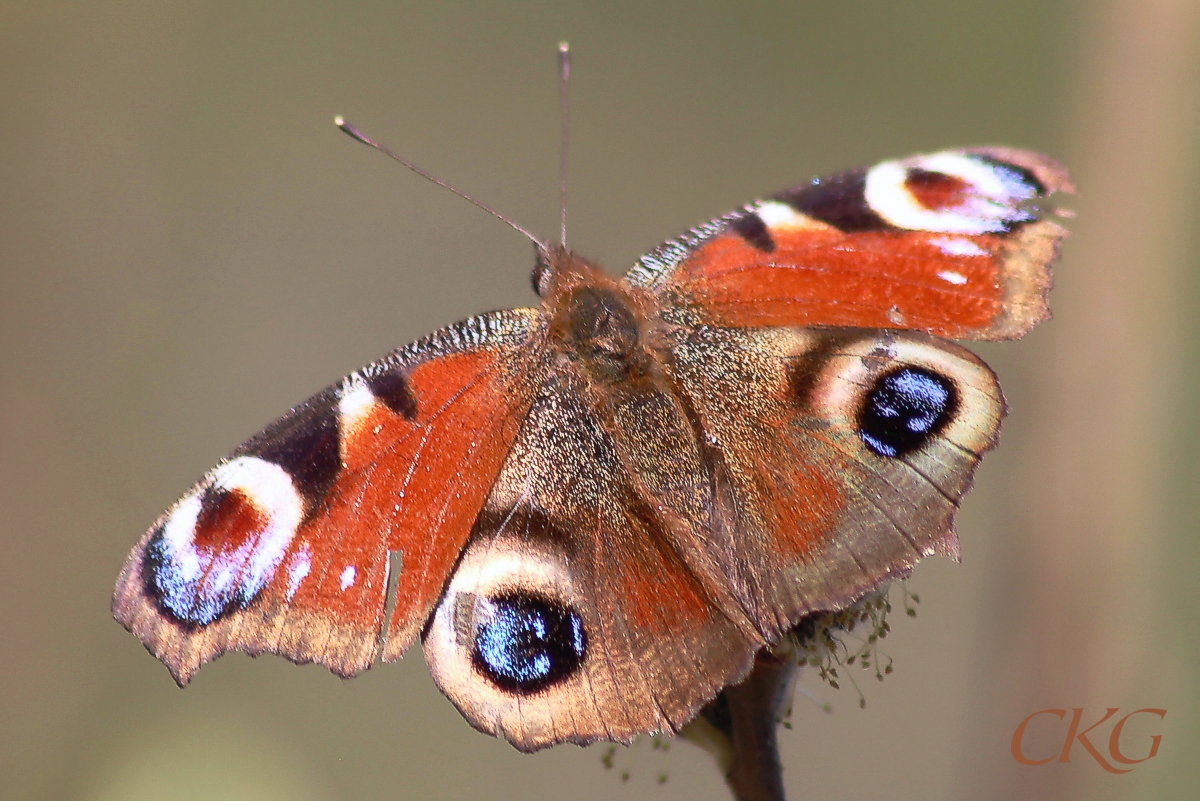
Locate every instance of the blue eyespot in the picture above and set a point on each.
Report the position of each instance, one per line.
(904, 409)
(529, 643)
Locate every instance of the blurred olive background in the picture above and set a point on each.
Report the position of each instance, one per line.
(188, 247)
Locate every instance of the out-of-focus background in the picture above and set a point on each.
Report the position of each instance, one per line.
(188, 247)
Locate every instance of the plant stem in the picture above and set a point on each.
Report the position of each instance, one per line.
(748, 715)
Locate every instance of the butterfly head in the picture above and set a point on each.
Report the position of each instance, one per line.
(551, 264)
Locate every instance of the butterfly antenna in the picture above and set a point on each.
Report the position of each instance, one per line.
(564, 81)
(358, 135)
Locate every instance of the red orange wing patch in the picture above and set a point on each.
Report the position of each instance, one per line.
(284, 547)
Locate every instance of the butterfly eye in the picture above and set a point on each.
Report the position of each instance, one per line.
(904, 409)
(541, 274)
(528, 643)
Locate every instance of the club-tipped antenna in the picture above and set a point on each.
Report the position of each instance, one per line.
(358, 135)
(564, 81)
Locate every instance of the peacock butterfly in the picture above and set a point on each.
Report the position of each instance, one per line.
(596, 511)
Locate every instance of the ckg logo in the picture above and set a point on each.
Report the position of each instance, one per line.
(1074, 735)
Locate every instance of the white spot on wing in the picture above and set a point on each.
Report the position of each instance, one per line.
(348, 576)
(958, 279)
(355, 401)
(776, 215)
(957, 246)
(300, 568)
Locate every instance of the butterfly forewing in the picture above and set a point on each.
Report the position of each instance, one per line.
(284, 547)
(952, 243)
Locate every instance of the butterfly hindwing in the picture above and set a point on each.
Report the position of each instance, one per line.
(846, 451)
(285, 546)
(952, 243)
(579, 611)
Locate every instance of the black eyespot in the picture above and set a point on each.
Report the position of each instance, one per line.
(529, 644)
(904, 409)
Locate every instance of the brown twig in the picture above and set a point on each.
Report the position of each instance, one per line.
(744, 719)
(739, 727)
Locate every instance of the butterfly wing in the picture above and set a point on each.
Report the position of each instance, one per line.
(845, 454)
(585, 606)
(953, 243)
(284, 546)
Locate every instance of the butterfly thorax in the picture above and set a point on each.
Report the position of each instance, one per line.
(599, 324)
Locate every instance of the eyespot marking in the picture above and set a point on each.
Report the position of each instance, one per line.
(904, 409)
(220, 546)
(949, 192)
(525, 644)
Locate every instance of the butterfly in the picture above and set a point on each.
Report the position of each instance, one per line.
(594, 512)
